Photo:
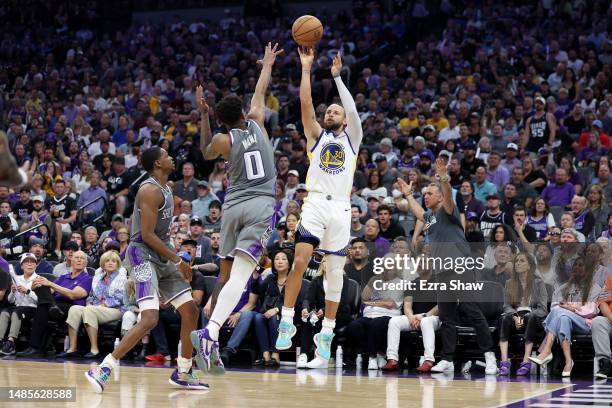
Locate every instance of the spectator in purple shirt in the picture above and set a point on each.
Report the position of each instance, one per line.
(55, 300)
(497, 174)
(94, 191)
(561, 192)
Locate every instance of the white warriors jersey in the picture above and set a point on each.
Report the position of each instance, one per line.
(332, 165)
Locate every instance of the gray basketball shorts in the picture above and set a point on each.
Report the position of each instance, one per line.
(152, 274)
(245, 225)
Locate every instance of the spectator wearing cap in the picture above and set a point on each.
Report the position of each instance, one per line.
(437, 120)
(425, 164)
(561, 192)
(472, 227)
(595, 127)
(588, 102)
(64, 267)
(293, 179)
(117, 185)
(23, 301)
(213, 220)
(37, 247)
(496, 173)
(104, 304)
(89, 195)
(385, 148)
(470, 162)
(196, 232)
(204, 198)
(483, 187)
(511, 161)
(388, 174)
(301, 192)
(186, 188)
(299, 161)
(24, 207)
(67, 290)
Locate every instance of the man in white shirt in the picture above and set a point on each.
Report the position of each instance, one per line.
(452, 131)
(94, 148)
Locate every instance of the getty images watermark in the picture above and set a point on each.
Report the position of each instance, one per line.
(406, 264)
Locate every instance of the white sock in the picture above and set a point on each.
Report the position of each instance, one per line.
(242, 268)
(328, 325)
(110, 362)
(184, 364)
(287, 314)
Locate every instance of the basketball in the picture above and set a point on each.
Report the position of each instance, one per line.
(307, 31)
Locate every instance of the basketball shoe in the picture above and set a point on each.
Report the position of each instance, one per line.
(207, 357)
(286, 331)
(187, 380)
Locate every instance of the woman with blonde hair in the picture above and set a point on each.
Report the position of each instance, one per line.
(599, 208)
(104, 304)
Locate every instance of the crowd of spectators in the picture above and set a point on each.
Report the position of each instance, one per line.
(516, 95)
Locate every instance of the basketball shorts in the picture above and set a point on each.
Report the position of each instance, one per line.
(328, 221)
(245, 227)
(153, 275)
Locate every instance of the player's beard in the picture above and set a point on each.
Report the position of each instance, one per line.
(334, 127)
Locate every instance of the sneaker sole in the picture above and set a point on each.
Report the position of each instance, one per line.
(283, 348)
(188, 387)
(195, 342)
(316, 337)
(601, 375)
(94, 384)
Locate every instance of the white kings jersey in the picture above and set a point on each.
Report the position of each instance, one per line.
(332, 165)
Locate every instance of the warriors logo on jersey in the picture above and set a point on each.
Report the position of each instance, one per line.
(332, 158)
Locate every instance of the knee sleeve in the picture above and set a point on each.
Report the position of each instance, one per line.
(332, 283)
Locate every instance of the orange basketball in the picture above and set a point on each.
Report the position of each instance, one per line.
(307, 31)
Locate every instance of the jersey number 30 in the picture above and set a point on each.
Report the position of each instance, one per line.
(254, 165)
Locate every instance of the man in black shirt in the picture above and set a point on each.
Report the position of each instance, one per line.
(457, 174)
(359, 269)
(470, 162)
(97, 161)
(6, 235)
(389, 229)
(24, 207)
(522, 229)
(117, 185)
(63, 212)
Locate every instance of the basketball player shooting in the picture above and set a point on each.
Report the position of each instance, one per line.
(157, 271)
(248, 206)
(326, 213)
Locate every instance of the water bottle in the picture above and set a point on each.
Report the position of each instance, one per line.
(66, 343)
(117, 341)
(180, 344)
(534, 368)
(466, 367)
(298, 351)
(339, 357)
(359, 362)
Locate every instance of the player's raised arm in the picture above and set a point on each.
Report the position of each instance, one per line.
(353, 122)
(211, 147)
(149, 202)
(258, 102)
(312, 129)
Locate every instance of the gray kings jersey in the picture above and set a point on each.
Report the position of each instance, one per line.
(251, 165)
(164, 215)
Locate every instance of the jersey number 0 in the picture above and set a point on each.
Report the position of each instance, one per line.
(254, 165)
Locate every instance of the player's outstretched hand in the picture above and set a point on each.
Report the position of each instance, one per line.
(336, 65)
(202, 105)
(270, 54)
(306, 56)
(441, 167)
(404, 187)
(185, 270)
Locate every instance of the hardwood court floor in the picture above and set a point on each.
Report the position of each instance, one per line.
(145, 387)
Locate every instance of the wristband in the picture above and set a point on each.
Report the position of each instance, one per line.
(444, 179)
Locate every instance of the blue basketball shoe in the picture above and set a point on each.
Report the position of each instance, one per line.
(286, 330)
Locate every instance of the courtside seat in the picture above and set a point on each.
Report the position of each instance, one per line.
(354, 299)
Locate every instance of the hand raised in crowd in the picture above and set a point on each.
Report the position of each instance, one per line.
(441, 167)
(404, 187)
